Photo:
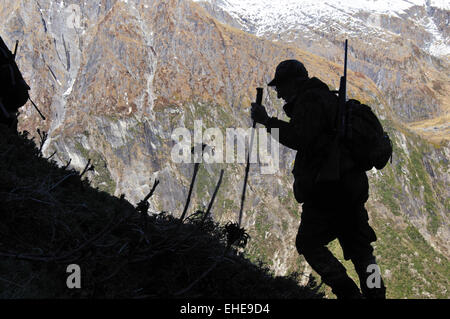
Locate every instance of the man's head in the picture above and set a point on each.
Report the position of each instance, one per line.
(288, 76)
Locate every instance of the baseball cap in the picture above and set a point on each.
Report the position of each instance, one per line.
(288, 69)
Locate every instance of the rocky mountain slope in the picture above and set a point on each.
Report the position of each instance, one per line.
(115, 78)
(403, 46)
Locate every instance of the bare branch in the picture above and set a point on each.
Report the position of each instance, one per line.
(214, 196)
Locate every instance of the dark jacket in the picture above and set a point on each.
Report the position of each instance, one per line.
(320, 163)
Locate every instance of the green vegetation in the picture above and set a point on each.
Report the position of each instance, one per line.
(409, 259)
(290, 203)
(212, 115)
(410, 267)
(389, 190)
(420, 181)
(204, 184)
(389, 184)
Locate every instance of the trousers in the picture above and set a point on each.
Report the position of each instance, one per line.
(346, 219)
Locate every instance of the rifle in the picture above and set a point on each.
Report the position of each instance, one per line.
(330, 169)
(35, 106)
(342, 94)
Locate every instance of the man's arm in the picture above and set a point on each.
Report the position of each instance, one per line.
(306, 125)
(288, 134)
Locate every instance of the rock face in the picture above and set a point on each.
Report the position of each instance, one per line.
(116, 78)
(403, 46)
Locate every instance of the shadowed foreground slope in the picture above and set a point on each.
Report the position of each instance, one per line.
(50, 219)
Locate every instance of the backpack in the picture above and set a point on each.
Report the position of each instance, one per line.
(13, 88)
(369, 145)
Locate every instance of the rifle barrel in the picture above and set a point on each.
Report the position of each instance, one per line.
(35, 106)
(345, 57)
(15, 49)
(342, 97)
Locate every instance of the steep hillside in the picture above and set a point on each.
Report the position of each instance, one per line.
(118, 82)
(52, 218)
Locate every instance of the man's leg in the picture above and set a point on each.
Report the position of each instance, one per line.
(356, 240)
(372, 285)
(315, 232)
(332, 273)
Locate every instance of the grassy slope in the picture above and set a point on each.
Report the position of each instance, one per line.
(49, 219)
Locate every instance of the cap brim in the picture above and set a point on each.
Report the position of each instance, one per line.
(272, 83)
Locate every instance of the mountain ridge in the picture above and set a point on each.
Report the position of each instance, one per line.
(392, 50)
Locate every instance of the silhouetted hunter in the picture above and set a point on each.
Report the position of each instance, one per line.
(13, 88)
(332, 207)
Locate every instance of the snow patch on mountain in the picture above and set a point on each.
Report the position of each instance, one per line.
(262, 17)
(264, 7)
